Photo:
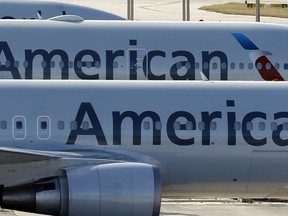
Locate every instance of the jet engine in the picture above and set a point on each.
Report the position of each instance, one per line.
(98, 190)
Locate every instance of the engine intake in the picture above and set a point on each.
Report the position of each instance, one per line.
(109, 189)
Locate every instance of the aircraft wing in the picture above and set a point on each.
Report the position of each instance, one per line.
(15, 156)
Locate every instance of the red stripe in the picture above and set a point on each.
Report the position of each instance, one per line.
(268, 74)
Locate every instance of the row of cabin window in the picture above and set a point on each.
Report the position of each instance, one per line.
(237, 126)
(188, 65)
(44, 125)
(158, 125)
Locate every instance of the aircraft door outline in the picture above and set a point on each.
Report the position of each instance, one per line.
(43, 128)
(19, 127)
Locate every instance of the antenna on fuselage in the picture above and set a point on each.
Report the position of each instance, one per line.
(39, 16)
(203, 76)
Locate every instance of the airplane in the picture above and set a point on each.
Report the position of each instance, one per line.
(74, 147)
(68, 47)
(21, 9)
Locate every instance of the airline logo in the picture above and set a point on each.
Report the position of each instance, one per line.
(90, 63)
(228, 118)
(266, 69)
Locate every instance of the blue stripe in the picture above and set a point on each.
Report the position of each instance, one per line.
(245, 42)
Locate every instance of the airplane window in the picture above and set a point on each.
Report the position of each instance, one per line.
(43, 64)
(61, 64)
(285, 126)
(249, 126)
(178, 65)
(146, 125)
(274, 126)
(189, 125)
(286, 66)
(79, 64)
(85, 125)
(73, 125)
(205, 65)
(197, 65)
(52, 64)
(70, 64)
(241, 66)
(44, 125)
(268, 66)
(188, 65)
(3, 125)
(237, 126)
(19, 125)
(7, 63)
(19, 131)
(115, 65)
(25, 64)
(259, 66)
(223, 65)
(16, 63)
(61, 125)
(201, 125)
(232, 66)
(262, 125)
(214, 66)
(88, 64)
(97, 64)
(277, 66)
(250, 66)
(158, 125)
(177, 125)
(213, 126)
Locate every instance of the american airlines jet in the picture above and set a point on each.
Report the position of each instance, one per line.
(23, 9)
(116, 147)
(67, 47)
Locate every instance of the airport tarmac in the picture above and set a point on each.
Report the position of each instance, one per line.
(171, 10)
(172, 207)
(222, 207)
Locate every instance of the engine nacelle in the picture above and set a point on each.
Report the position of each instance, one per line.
(108, 189)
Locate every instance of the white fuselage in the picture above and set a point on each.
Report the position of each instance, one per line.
(208, 138)
(124, 50)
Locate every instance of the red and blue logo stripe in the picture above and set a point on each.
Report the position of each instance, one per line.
(265, 68)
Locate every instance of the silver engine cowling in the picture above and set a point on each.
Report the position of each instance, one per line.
(108, 189)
